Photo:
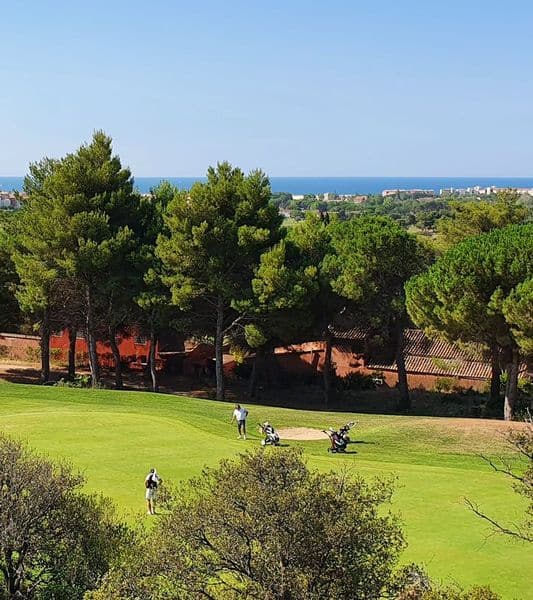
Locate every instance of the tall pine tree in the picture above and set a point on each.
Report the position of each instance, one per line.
(216, 234)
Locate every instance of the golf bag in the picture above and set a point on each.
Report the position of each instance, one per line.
(271, 435)
(345, 430)
(338, 443)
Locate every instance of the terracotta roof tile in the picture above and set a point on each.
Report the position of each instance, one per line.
(428, 357)
(429, 365)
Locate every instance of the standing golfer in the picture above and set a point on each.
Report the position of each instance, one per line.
(151, 483)
(240, 414)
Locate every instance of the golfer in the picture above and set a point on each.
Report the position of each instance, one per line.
(240, 414)
(151, 484)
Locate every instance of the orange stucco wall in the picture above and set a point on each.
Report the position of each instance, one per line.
(130, 350)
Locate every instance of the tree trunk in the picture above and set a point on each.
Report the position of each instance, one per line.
(252, 384)
(326, 373)
(152, 359)
(403, 385)
(219, 356)
(45, 347)
(495, 379)
(72, 333)
(511, 387)
(91, 339)
(12, 582)
(116, 359)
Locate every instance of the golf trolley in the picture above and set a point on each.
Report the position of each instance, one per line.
(339, 439)
(271, 435)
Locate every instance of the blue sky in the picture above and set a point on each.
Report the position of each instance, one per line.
(354, 88)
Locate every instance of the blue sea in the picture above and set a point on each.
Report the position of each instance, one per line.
(338, 185)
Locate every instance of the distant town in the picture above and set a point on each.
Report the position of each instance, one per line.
(12, 200)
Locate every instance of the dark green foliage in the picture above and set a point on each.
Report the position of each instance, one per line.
(462, 296)
(217, 232)
(472, 218)
(284, 287)
(36, 246)
(355, 381)
(78, 240)
(10, 314)
(373, 259)
(313, 240)
(518, 311)
(479, 292)
(154, 299)
(56, 542)
(215, 236)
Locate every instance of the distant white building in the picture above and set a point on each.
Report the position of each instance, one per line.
(413, 192)
(9, 200)
(297, 196)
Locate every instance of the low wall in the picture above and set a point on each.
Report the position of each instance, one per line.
(16, 346)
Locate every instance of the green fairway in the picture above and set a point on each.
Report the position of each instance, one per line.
(115, 437)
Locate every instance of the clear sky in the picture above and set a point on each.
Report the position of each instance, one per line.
(354, 88)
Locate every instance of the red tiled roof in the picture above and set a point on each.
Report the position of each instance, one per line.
(430, 365)
(426, 356)
(418, 344)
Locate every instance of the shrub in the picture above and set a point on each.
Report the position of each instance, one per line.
(32, 354)
(451, 593)
(412, 583)
(4, 351)
(56, 354)
(80, 381)
(355, 381)
(56, 541)
(444, 384)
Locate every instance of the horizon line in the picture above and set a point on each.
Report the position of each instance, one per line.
(326, 176)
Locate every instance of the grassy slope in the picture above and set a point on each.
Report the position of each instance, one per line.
(115, 437)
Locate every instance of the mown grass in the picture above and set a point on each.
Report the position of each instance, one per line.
(114, 437)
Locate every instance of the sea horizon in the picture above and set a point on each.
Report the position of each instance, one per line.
(325, 184)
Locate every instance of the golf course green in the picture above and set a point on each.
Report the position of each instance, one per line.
(115, 437)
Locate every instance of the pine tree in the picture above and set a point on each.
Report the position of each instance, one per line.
(216, 234)
(479, 291)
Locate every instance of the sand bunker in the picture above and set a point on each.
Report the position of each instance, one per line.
(301, 433)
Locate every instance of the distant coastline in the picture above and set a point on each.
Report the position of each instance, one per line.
(337, 185)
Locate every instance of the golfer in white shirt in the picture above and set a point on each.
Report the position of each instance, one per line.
(240, 414)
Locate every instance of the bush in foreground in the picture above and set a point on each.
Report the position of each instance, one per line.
(55, 541)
